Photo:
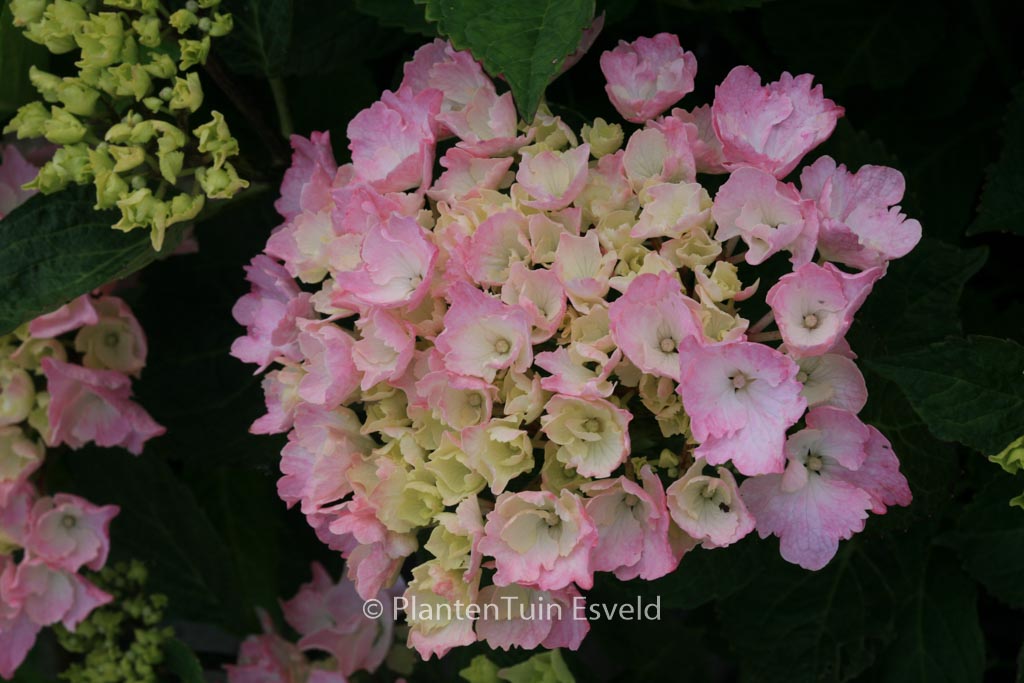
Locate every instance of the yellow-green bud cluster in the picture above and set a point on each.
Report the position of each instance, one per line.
(122, 642)
(123, 121)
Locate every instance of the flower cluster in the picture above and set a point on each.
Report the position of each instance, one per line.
(123, 121)
(57, 388)
(464, 356)
(122, 642)
(330, 621)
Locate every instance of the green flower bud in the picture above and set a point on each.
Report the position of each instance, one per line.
(131, 80)
(1011, 458)
(222, 25)
(126, 158)
(57, 28)
(187, 93)
(220, 183)
(170, 165)
(161, 66)
(48, 180)
(29, 122)
(110, 187)
(603, 137)
(148, 29)
(215, 138)
(119, 132)
(154, 104)
(171, 137)
(547, 667)
(138, 209)
(101, 39)
(27, 11)
(183, 207)
(193, 52)
(183, 20)
(73, 162)
(46, 83)
(63, 128)
(99, 78)
(77, 97)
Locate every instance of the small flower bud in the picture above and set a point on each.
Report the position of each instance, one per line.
(29, 122)
(222, 25)
(77, 97)
(127, 158)
(45, 83)
(220, 183)
(148, 29)
(27, 11)
(170, 165)
(101, 38)
(187, 93)
(603, 137)
(183, 19)
(193, 52)
(62, 128)
(215, 138)
(131, 80)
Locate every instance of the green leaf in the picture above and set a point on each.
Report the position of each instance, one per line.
(401, 14)
(54, 248)
(1002, 201)
(162, 524)
(258, 45)
(882, 44)
(17, 54)
(938, 636)
(788, 624)
(182, 662)
(525, 42)
(917, 301)
(967, 390)
(989, 536)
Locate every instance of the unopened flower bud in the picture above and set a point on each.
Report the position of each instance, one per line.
(215, 138)
(603, 137)
(131, 80)
(45, 83)
(137, 210)
(161, 66)
(193, 52)
(62, 128)
(57, 27)
(29, 122)
(220, 183)
(184, 19)
(187, 93)
(17, 394)
(170, 165)
(148, 29)
(77, 97)
(222, 25)
(27, 11)
(101, 38)
(126, 158)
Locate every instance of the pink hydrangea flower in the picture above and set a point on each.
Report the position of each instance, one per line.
(482, 335)
(540, 293)
(95, 405)
(814, 305)
(633, 527)
(648, 76)
(583, 269)
(651, 319)
(392, 141)
(861, 223)
(270, 313)
(20, 456)
(539, 539)
(71, 316)
(819, 499)
(832, 380)
(592, 435)
(269, 658)
(309, 177)
(767, 214)
(519, 616)
(741, 397)
(397, 261)
(331, 374)
(660, 153)
(466, 176)
(15, 171)
(438, 66)
(321, 448)
(69, 532)
(707, 148)
(329, 617)
(553, 179)
(770, 127)
(709, 508)
(115, 341)
(15, 518)
(280, 393)
(48, 595)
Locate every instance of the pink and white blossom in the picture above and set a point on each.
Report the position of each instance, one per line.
(648, 76)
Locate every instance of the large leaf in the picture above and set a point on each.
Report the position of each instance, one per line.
(918, 301)
(791, 625)
(967, 390)
(525, 42)
(17, 54)
(989, 536)
(258, 45)
(938, 637)
(1002, 202)
(182, 662)
(54, 248)
(162, 524)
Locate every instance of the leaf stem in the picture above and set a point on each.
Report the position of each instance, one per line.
(284, 115)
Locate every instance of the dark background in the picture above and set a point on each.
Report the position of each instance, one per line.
(932, 592)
